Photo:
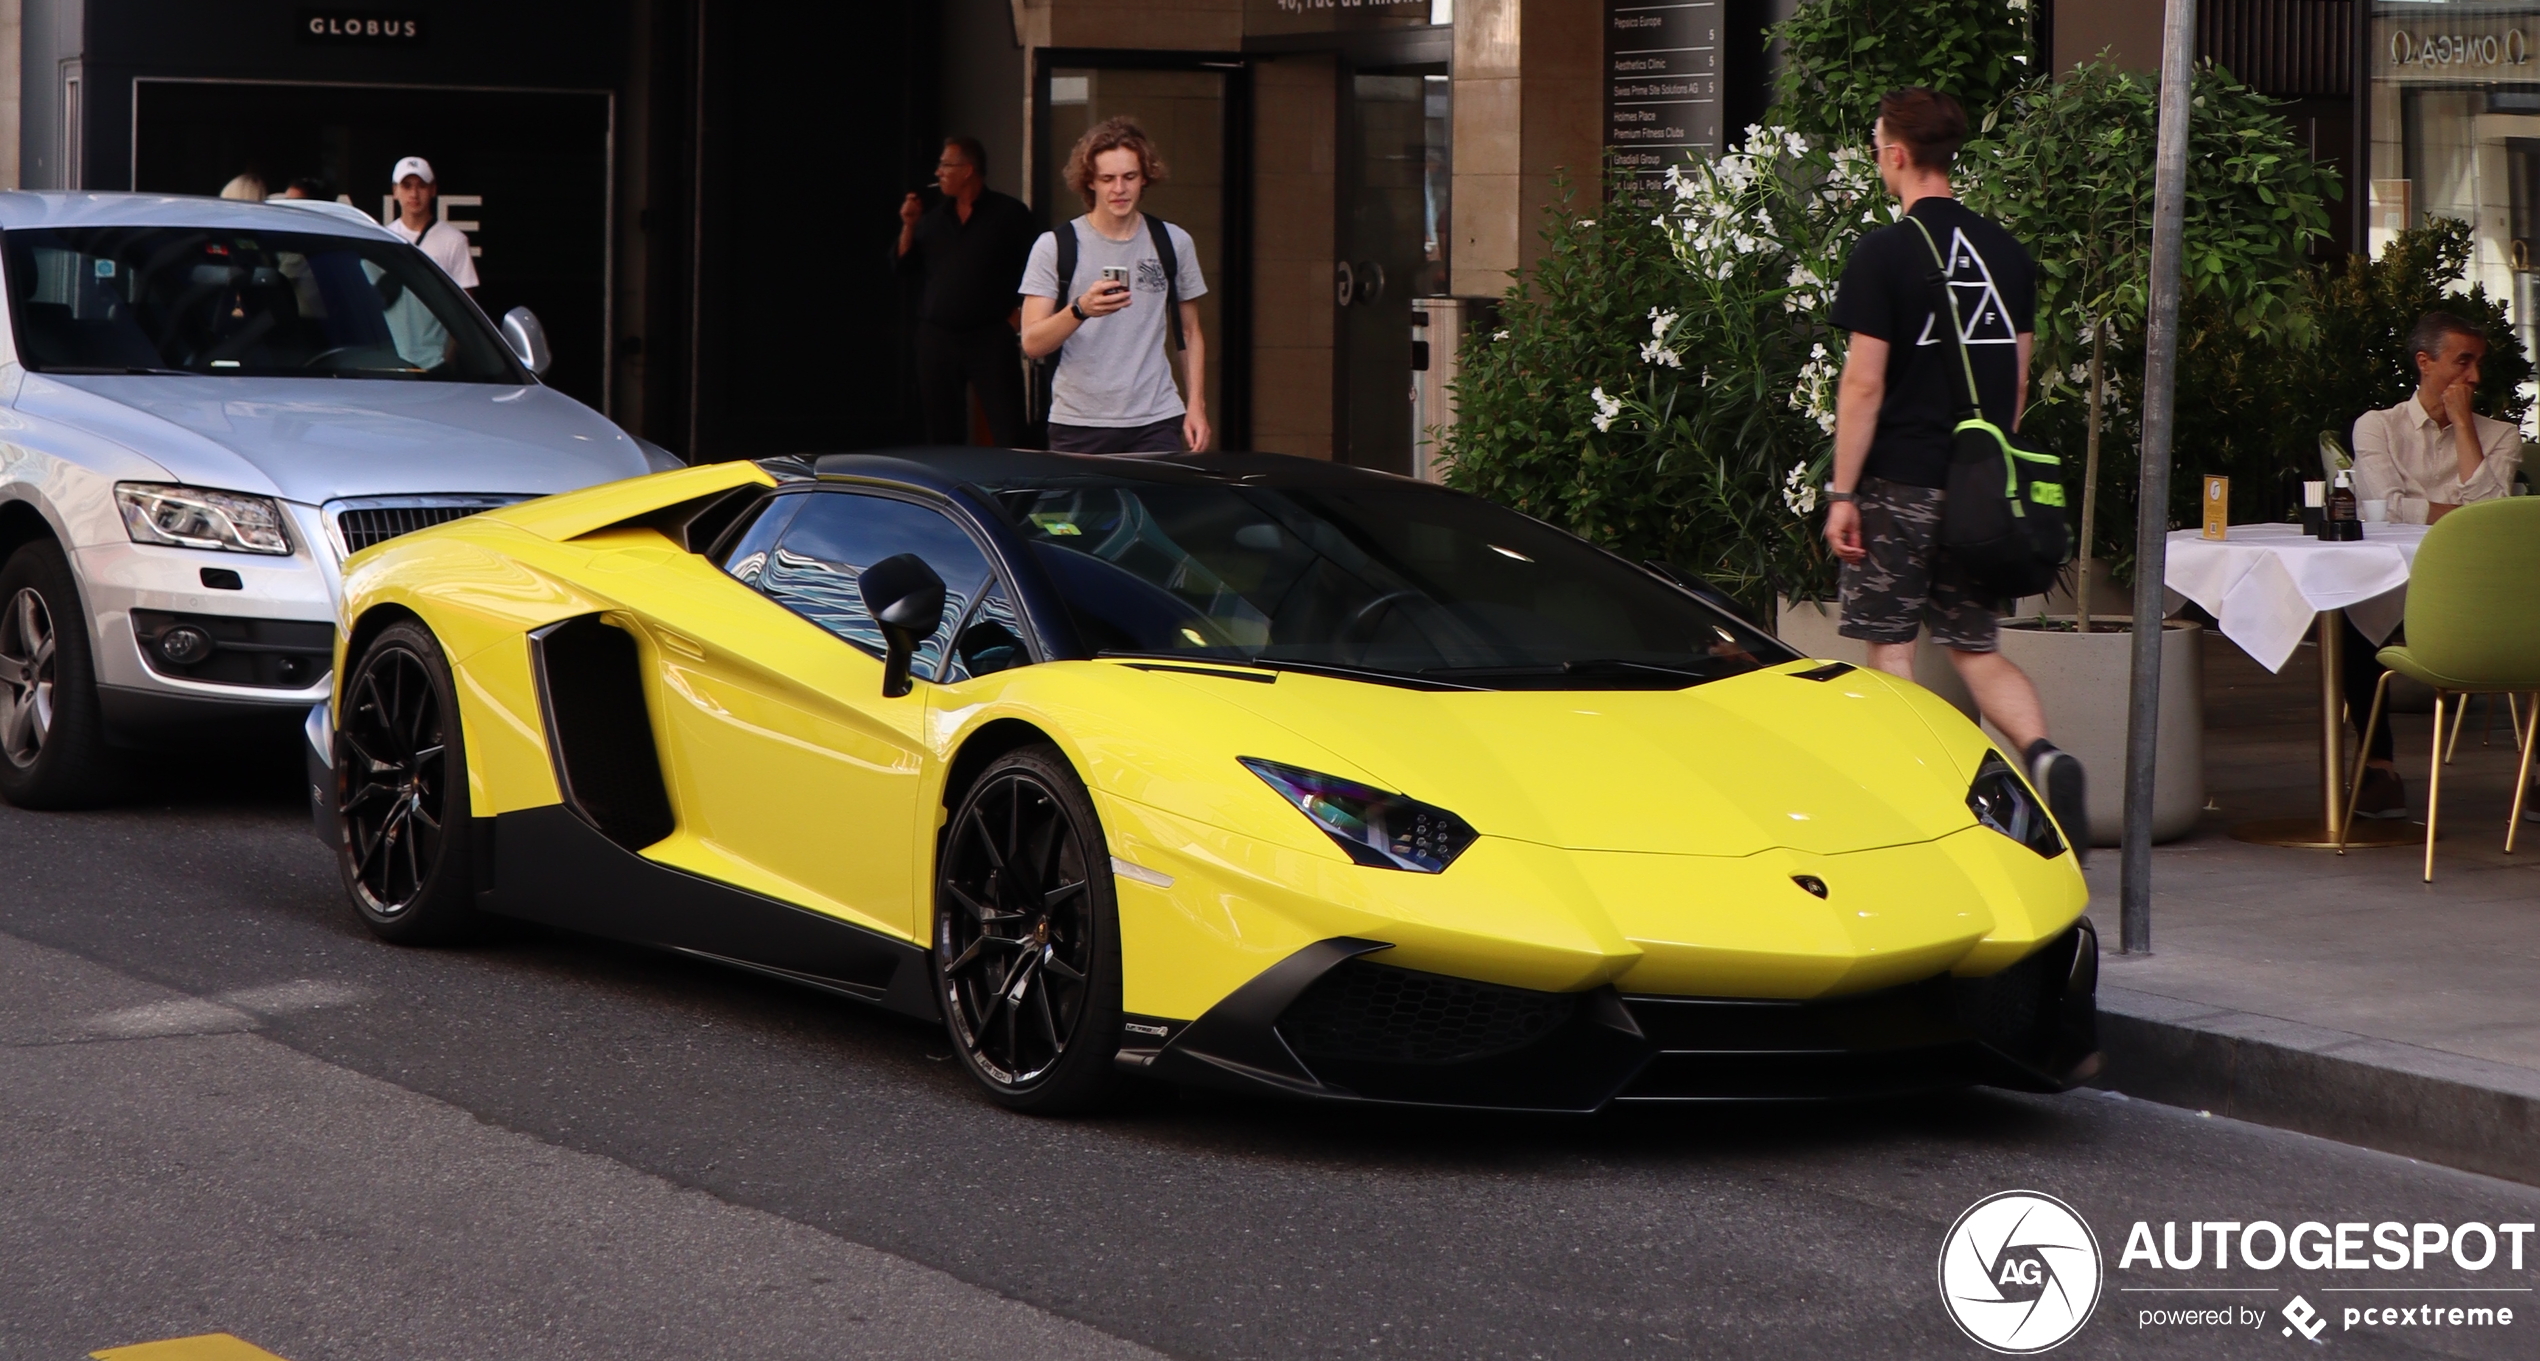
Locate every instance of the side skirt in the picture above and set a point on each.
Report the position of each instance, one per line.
(549, 865)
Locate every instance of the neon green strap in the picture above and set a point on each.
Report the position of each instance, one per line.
(1957, 335)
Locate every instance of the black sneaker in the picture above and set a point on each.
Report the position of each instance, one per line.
(2057, 775)
(2382, 795)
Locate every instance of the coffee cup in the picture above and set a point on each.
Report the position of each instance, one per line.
(2373, 512)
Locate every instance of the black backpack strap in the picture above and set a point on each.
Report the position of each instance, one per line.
(1065, 236)
(1160, 232)
(1948, 299)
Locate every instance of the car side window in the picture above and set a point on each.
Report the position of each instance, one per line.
(747, 559)
(991, 639)
(824, 547)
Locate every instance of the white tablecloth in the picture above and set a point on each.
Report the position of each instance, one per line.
(2266, 583)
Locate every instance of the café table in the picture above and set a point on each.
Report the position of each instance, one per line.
(2267, 585)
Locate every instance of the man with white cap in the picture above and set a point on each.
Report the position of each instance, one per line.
(417, 222)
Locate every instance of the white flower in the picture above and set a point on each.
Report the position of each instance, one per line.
(1587, 222)
(1659, 322)
(1799, 493)
(1499, 335)
(1813, 396)
(1654, 353)
(1607, 408)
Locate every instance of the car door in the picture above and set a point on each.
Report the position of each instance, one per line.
(784, 754)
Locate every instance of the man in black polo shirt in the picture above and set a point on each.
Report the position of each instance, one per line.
(969, 251)
(1894, 413)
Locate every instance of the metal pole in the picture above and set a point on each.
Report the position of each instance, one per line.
(2152, 516)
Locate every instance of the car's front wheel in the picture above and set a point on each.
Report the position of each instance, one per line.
(53, 751)
(1027, 937)
(401, 791)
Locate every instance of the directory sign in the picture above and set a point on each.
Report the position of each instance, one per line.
(1662, 81)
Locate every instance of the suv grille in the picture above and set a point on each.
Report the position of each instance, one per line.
(362, 528)
(1378, 1013)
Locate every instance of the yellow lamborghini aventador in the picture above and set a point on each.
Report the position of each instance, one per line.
(1240, 770)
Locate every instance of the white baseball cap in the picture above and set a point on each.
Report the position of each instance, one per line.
(412, 165)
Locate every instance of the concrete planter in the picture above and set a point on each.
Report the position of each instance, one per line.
(2081, 679)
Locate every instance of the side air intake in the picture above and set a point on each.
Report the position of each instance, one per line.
(591, 691)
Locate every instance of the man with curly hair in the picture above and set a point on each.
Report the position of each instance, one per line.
(1107, 322)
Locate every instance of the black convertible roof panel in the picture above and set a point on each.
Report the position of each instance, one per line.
(944, 469)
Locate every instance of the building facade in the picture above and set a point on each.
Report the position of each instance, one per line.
(698, 199)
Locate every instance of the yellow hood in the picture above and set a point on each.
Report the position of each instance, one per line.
(1730, 768)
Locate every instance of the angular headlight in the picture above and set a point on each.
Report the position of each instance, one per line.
(2003, 801)
(1380, 830)
(192, 517)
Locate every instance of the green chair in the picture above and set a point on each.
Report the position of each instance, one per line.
(2472, 630)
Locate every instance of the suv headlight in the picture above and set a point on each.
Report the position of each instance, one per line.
(2003, 801)
(1379, 830)
(193, 517)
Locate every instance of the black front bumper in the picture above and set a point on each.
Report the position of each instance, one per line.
(1330, 1023)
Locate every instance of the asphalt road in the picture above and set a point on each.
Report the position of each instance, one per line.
(225, 1107)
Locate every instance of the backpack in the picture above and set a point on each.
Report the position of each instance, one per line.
(1045, 368)
(2003, 516)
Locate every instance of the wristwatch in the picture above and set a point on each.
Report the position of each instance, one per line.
(1833, 495)
(1079, 309)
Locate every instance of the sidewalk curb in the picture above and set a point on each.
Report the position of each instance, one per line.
(2419, 1103)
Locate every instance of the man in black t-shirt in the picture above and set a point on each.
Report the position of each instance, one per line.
(1895, 410)
(969, 250)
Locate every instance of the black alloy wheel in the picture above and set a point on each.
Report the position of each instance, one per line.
(1027, 951)
(401, 791)
(53, 751)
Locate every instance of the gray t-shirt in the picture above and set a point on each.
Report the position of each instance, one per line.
(1116, 370)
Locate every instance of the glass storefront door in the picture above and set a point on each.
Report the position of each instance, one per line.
(1393, 248)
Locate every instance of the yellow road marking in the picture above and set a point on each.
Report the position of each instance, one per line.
(208, 1347)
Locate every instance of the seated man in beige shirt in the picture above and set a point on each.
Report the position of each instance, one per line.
(2426, 457)
(2431, 454)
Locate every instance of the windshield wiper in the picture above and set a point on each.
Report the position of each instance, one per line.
(1407, 680)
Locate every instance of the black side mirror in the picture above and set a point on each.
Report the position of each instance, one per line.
(906, 598)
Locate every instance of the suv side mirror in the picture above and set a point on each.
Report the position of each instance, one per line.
(528, 339)
(906, 598)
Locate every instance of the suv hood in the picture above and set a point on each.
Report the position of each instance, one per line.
(313, 440)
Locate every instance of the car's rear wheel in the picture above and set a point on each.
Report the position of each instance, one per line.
(53, 751)
(401, 791)
(1027, 937)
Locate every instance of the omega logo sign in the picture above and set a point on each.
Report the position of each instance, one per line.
(2510, 48)
(359, 26)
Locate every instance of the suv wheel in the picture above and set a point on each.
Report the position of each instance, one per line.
(53, 751)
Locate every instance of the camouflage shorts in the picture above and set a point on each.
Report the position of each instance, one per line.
(1906, 582)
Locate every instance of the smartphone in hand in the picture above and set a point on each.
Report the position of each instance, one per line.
(1116, 274)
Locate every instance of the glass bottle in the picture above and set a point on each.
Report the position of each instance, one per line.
(2343, 523)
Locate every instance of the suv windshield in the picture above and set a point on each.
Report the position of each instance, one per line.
(224, 301)
(1408, 581)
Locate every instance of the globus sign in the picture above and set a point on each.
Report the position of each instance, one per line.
(2510, 47)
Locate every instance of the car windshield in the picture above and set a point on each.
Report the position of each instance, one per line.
(247, 303)
(1405, 581)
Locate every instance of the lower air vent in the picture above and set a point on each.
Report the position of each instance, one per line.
(1376, 1013)
(591, 686)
